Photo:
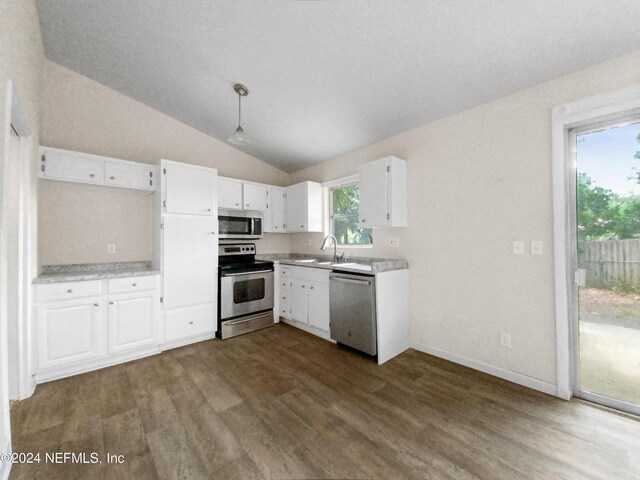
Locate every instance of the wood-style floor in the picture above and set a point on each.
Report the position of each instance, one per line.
(283, 404)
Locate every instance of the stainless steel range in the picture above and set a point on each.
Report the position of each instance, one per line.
(245, 287)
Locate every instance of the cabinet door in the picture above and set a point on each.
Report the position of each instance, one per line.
(373, 194)
(296, 208)
(229, 193)
(190, 260)
(256, 197)
(190, 189)
(128, 175)
(72, 167)
(69, 332)
(319, 305)
(132, 321)
(299, 300)
(278, 210)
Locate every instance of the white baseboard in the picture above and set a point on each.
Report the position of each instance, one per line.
(312, 330)
(524, 380)
(181, 342)
(68, 371)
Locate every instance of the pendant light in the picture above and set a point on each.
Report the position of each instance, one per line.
(238, 137)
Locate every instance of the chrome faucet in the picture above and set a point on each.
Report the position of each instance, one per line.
(335, 246)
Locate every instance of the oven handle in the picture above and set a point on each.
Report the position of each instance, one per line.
(246, 319)
(245, 273)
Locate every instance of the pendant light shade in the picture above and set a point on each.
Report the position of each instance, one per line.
(239, 137)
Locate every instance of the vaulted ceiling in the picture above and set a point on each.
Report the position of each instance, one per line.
(327, 77)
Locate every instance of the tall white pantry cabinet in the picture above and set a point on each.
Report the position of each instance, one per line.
(185, 249)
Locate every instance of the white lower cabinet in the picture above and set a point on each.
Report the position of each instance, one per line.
(304, 297)
(95, 328)
(132, 321)
(70, 332)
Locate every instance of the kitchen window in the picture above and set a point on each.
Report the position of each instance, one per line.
(344, 208)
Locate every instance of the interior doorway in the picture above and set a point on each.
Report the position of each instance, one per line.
(606, 252)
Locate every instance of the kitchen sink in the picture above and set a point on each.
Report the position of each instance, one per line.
(325, 263)
(308, 260)
(354, 266)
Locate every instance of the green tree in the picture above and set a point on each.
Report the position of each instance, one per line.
(597, 209)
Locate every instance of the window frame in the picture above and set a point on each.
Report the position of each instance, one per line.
(334, 185)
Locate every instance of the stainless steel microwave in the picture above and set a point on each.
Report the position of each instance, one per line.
(239, 225)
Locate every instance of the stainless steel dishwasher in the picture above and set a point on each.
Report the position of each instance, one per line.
(353, 311)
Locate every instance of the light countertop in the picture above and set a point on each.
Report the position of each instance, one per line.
(366, 265)
(93, 271)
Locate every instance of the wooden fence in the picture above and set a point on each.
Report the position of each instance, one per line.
(611, 264)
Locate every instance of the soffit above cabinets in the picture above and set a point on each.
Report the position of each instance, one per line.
(329, 77)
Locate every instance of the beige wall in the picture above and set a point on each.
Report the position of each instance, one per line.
(21, 61)
(477, 181)
(80, 114)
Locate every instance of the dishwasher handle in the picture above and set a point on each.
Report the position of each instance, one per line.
(350, 280)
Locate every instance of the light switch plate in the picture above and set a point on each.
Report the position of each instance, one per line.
(505, 339)
(536, 247)
(111, 248)
(518, 247)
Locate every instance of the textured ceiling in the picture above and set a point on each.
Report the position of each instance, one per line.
(327, 77)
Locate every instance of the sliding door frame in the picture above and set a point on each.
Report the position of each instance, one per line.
(599, 111)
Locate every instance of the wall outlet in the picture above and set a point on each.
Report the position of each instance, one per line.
(111, 248)
(536, 247)
(308, 242)
(393, 242)
(505, 339)
(518, 247)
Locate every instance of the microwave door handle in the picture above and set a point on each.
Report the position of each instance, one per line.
(253, 226)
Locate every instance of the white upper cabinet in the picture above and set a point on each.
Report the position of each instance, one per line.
(383, 193)
(76, 167)
(71, 167)
(129, 175)
(189, 189)
(255, 197)
(304, 207)
(229, 193)
(276, 220)
(238, 195)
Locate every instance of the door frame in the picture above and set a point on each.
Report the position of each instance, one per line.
(606, 108)
(15, 117)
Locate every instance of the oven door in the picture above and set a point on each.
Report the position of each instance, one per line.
(246, 292)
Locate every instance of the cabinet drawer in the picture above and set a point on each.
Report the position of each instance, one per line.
(285, 309)
(310, 274)
(52, 292)
(132, 284)
(190, 321)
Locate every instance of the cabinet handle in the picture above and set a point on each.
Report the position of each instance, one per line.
(212, 233)
(69, 291)
(362, 221)
(112, 178)
(92, 175)
(284, 298)
(111, 302)
(311, 288)
(134, 284)
(248, 205)
(275, 226)
(302, 286)
(96, 304)
(191, 322)
(301, 226)
(208, 209)
(237, 204)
